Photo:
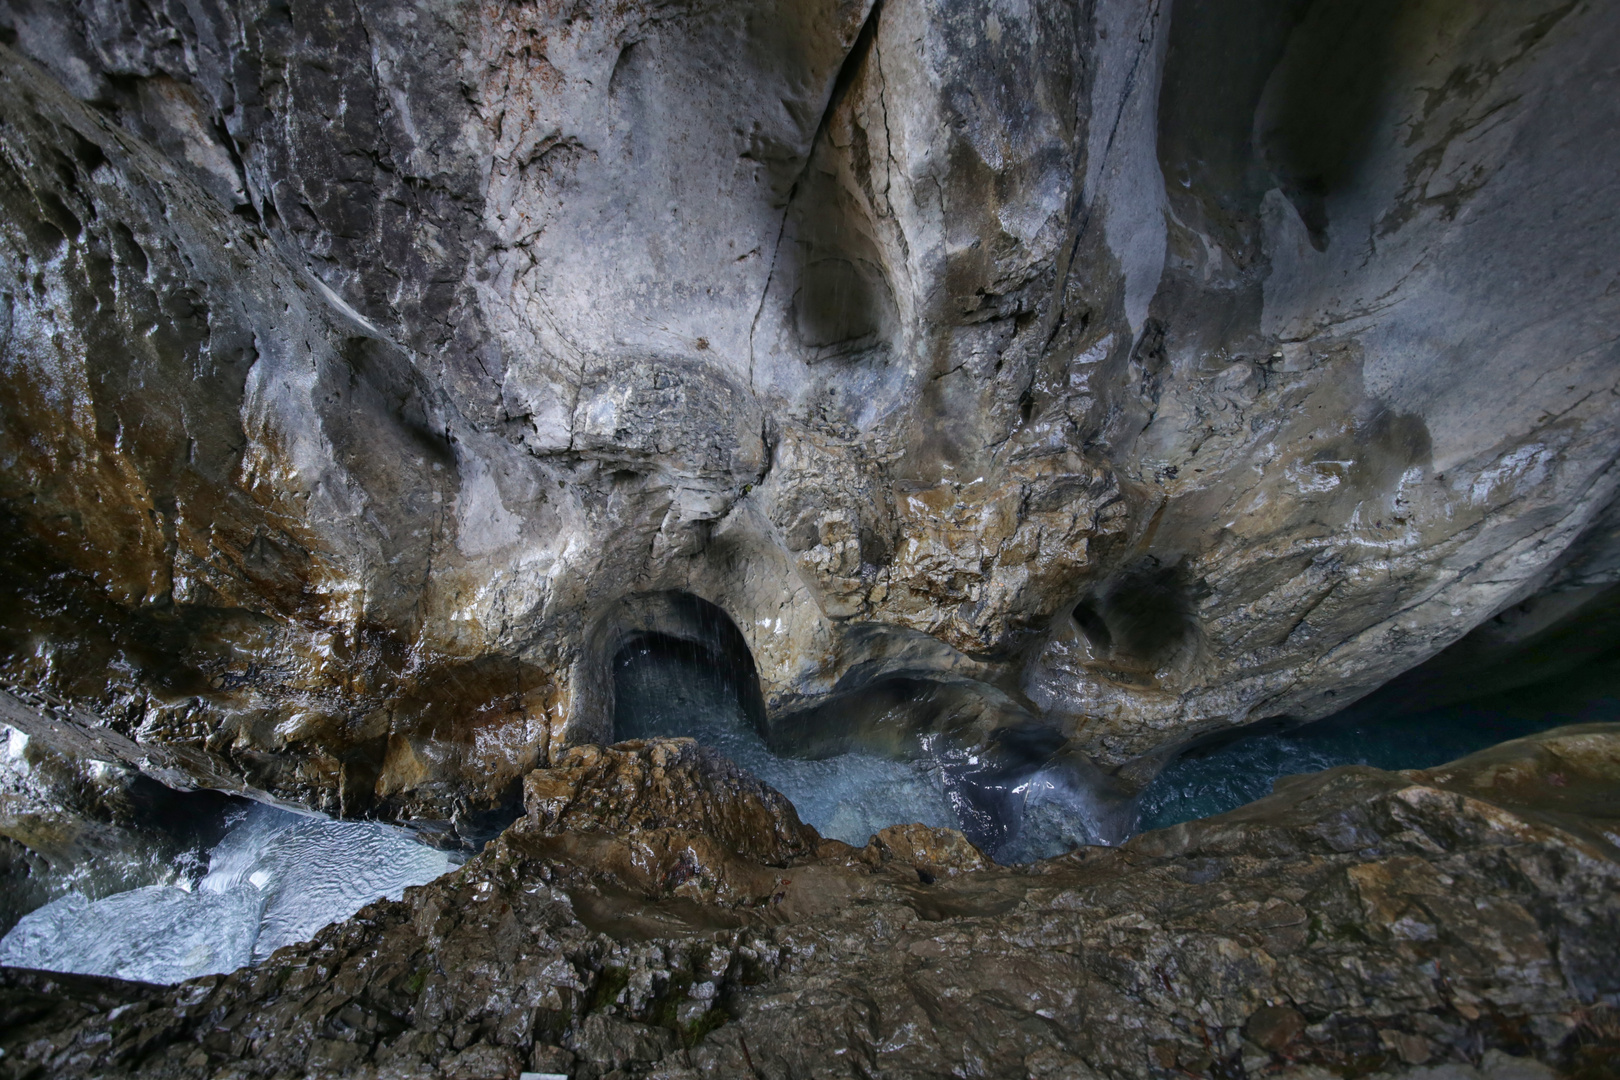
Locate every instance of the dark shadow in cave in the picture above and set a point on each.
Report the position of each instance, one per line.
(1271, 93)
(686, 661)
(1547, 662)
(1141, 619)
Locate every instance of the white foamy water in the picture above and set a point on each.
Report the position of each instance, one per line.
(276, 878)
(851, 796)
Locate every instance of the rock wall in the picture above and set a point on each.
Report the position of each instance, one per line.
(1168, 367)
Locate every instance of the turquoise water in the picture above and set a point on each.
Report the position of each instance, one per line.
(1038, 806)
(1223, 778)
(847, 797)
(1017, 802)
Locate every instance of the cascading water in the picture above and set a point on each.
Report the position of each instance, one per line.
(1014, 792)
(274, 879)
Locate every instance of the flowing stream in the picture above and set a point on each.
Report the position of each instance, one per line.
(847, 797)
(1017, 798)
(1223, 777)
(1042, 805)
(274, 879)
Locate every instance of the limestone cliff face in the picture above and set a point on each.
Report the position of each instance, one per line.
(369, 367)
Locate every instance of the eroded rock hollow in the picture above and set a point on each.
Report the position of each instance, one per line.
(1169, 370)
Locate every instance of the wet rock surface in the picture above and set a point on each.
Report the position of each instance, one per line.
(79, 813)
(1459, 922)
(1051, 384)
(372, 369)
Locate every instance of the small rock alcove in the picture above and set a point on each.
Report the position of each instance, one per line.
(1142, 621)
(671, 659)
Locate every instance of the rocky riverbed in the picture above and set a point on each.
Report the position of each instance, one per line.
(659, 913)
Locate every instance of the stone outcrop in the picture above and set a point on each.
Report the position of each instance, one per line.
(1167, 366)
(1459, 923)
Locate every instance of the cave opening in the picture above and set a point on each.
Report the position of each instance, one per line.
(1094, 626)
(683, 669)
(897, 748)
(682, 663)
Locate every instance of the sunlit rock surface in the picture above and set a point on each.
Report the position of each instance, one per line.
(367, 366)
(659, 913)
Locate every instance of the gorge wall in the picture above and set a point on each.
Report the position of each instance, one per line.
(371, 369)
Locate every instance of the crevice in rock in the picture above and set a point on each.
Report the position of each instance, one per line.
(859, 50)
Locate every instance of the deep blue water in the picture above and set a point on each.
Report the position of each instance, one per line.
(1224, 778)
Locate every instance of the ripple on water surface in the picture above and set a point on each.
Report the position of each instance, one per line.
(1226, 777)
(275, 878)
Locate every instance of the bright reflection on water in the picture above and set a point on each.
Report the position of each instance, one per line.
(847, 797)
(1017, 800)
(1226, 777)
(274, 879)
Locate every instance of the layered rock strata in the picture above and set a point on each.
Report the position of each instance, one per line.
(656, 913)
(1167, 366)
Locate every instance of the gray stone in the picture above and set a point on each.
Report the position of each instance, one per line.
(1178, 366)
(1471, 933)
